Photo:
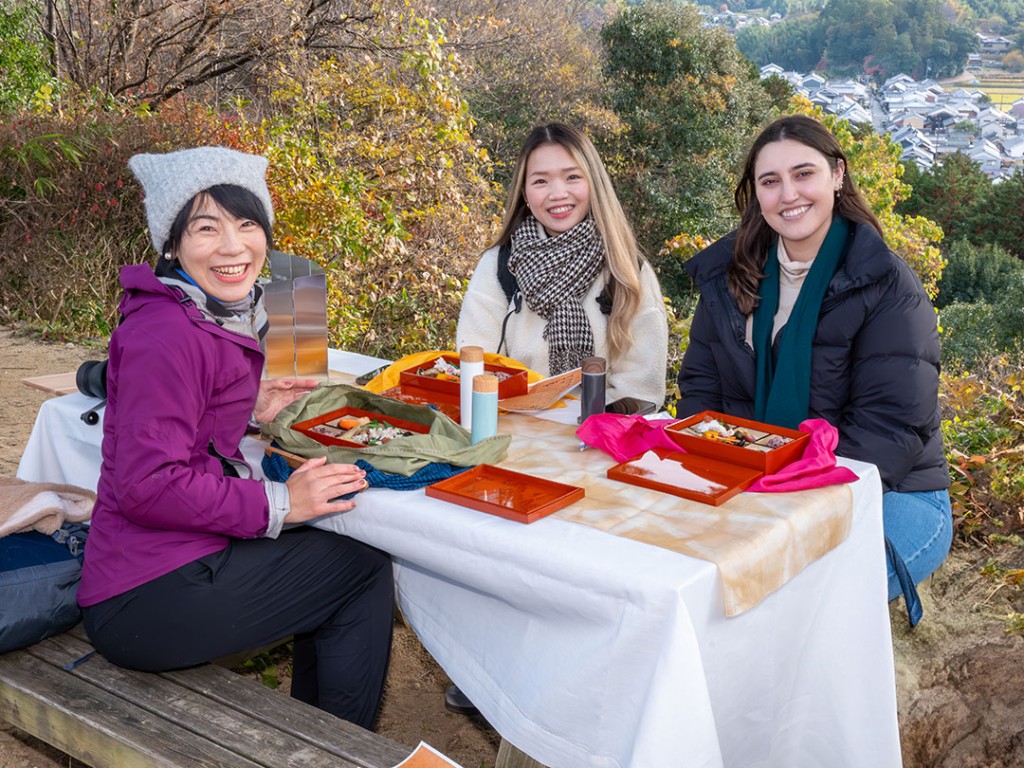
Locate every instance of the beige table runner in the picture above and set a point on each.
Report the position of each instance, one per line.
(759, 541)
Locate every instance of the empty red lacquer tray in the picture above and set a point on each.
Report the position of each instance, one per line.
(686, 474)
(305, 427)
(505, 493)
(447, 390)
(768, 462)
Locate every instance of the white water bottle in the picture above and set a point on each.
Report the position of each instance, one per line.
(471, 364)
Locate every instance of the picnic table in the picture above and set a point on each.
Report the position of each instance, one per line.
(583, 647)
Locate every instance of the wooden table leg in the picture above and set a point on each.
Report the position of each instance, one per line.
(510, 756)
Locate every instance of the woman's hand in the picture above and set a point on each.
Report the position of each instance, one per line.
(275, 394)
(312, 485)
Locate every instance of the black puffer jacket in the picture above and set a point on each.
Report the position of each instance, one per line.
(874, 365)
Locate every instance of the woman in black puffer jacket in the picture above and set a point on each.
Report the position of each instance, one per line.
(804, 312)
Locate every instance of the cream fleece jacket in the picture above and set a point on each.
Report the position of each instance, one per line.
(639, 373)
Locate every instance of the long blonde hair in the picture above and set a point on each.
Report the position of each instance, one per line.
(622, 253)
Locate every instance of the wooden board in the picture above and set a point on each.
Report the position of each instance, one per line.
(54, 383)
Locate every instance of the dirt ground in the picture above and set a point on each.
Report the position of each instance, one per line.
(960, 674)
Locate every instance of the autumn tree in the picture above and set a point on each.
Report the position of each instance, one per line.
(373, 172)
(527, 63)
(1014, 61)
(151, 50)
(377, 178)
(690, 101)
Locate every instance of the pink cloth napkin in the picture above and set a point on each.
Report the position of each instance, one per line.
(625, 437)
(815, 469)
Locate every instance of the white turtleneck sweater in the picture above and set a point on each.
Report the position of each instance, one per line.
(791, 279)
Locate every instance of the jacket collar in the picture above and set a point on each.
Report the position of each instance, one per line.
(142, 288)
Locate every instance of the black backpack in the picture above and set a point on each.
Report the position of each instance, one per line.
(39, 577)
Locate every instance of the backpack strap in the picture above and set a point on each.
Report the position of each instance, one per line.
(508, 281)
(511, 288)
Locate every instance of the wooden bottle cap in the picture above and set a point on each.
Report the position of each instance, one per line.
(485, 383)
(471, 354)
(593, 365)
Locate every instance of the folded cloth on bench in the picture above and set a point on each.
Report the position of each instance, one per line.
(43, 507)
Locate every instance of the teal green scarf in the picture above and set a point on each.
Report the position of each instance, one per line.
(784, 385)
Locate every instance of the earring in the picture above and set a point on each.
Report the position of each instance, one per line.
(168, 256)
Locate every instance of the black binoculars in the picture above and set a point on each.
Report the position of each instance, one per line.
(91, 380)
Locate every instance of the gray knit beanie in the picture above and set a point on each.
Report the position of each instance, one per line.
(170, 180)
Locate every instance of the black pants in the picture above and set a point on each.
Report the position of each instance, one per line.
(334, 594)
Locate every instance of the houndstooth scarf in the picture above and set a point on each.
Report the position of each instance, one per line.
(554, 273)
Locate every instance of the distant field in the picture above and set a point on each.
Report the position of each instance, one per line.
(1002, 91)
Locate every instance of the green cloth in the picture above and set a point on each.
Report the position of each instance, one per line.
(446, 442)
(783, 390)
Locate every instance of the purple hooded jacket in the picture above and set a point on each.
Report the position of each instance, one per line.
(179, 386)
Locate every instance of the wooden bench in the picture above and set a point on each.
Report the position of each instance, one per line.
(110, 717)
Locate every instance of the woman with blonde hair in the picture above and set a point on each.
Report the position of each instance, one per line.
(565, 278)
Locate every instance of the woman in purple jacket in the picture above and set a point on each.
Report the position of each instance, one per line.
(189, 557)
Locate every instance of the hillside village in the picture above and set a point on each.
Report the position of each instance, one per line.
(924, 118)
(928, 121)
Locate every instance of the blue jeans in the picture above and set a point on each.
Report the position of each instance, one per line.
(920, 526)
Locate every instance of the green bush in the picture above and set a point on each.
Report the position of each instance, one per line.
(975, 273)
(24, 69)
(973, 334)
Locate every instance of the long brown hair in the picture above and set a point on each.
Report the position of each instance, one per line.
(622, 254)
(755, 236)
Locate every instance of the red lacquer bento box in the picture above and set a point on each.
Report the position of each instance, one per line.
(503, 492)
(329, 428)
(769, 448)
(712, 468)
(513, 381)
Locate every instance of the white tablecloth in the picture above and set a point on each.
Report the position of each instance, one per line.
(587, 649)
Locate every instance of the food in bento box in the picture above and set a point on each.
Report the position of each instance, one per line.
(744, 437)
(440, 369)
(443, 370)
(362, 430)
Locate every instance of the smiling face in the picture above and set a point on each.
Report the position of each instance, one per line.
(556, 189)
(796, 190)
(220, 252)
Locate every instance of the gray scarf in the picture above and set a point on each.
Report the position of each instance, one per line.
(247, 317)
(554, 273)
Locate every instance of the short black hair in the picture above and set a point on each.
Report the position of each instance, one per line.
(238, 201)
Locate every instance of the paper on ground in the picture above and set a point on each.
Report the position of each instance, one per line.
(425, 756)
